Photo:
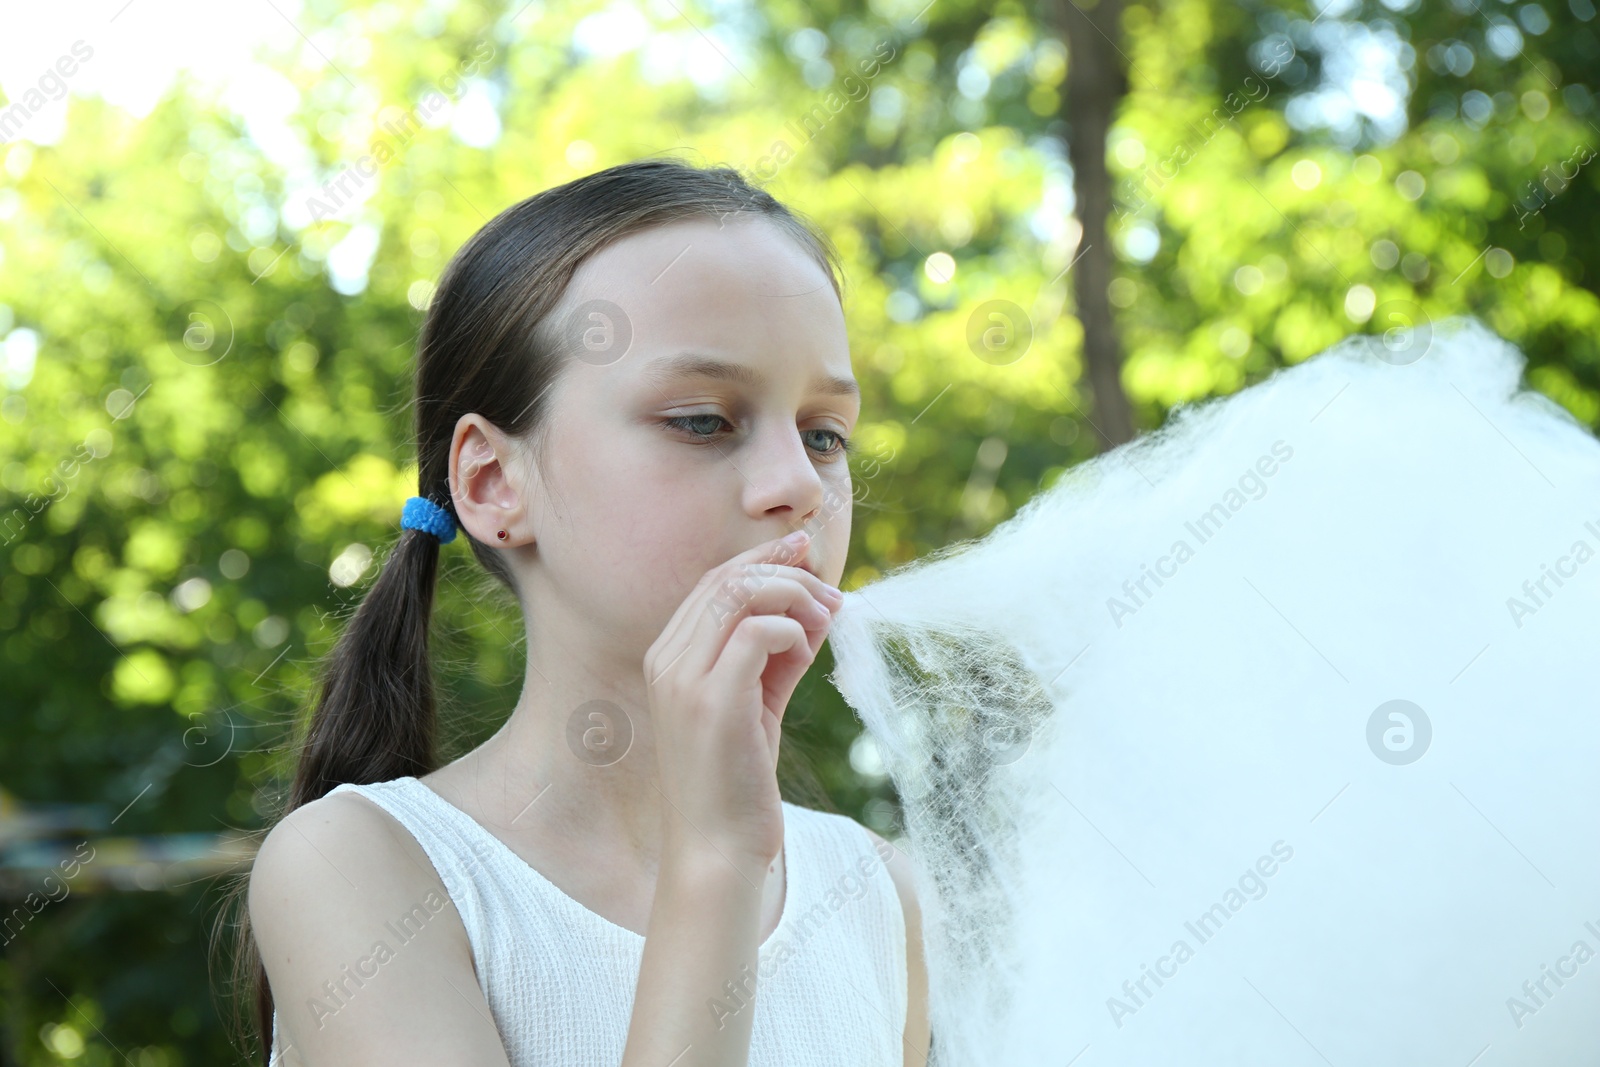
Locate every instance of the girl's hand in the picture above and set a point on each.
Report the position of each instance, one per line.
(718, 680)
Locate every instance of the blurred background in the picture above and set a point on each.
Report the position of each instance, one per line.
(220, 225)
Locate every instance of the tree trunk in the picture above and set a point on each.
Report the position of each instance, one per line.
(1096, 83)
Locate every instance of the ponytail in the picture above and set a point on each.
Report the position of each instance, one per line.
(375, 720)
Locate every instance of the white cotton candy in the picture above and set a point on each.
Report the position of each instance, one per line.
(1090, 758)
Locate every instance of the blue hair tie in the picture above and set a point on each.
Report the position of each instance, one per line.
(420, 513)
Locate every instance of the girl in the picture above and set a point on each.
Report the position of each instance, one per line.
(630, 391)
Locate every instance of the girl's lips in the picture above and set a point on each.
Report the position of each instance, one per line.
(807, 560)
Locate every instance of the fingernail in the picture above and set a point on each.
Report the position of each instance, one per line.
(796, 538)
(834, 592)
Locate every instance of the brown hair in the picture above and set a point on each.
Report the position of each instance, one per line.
(488, 345)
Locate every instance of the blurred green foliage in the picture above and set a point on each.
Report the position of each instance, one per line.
(203, 422)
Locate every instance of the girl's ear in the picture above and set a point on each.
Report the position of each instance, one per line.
(484, 483)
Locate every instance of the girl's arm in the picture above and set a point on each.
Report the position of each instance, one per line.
(334, 888)
(719, 680)
(692, 1006)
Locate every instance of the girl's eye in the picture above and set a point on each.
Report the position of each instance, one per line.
(695, 426)
(689, 423)
(842, 446)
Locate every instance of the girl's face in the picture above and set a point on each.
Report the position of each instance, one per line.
(702, 411)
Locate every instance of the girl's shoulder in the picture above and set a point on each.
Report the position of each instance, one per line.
(850, 829)
(329, 887)
(898, 862)
(345, 829)
(337, 862)
(890, 853)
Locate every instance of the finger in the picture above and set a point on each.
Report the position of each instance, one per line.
(753, 642)
(785, 669)
(779, 556)
(673, 635)
(755, 595)
(726, 583)
(787, 550)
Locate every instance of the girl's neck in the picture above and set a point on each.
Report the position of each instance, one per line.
(541, 780)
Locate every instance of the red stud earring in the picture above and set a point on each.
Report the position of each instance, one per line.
(501, 535)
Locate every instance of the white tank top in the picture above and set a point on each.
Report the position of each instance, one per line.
(560, 978)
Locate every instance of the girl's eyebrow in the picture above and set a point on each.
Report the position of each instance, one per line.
(696, 365)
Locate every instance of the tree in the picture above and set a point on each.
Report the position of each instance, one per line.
(1096, 84)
